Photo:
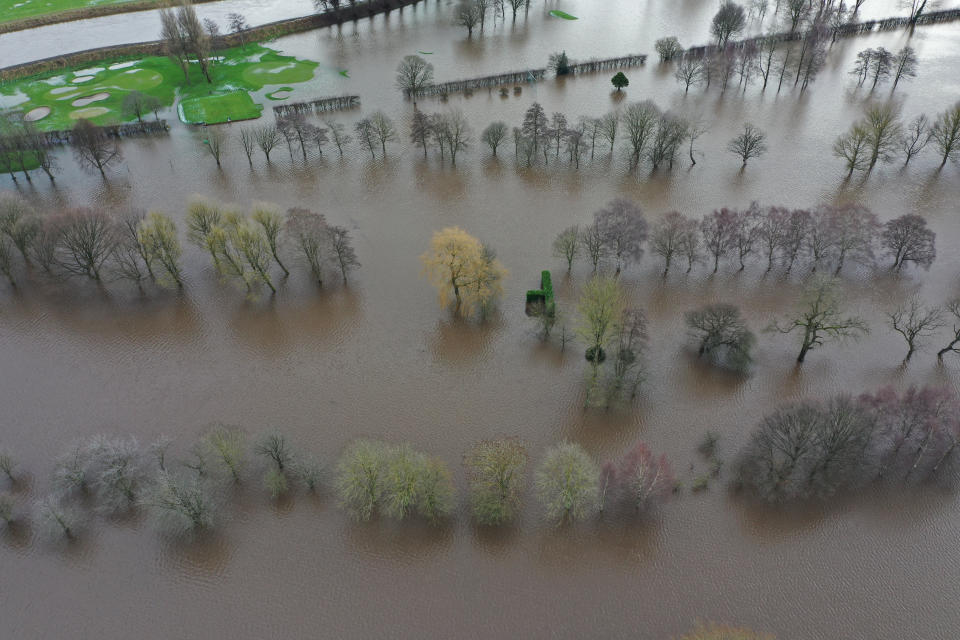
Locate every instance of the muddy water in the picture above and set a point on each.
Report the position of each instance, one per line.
(378, 358)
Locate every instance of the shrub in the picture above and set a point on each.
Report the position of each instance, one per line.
(637, 480)
(309, 472)
(359, 481)
(181, 506)
(543, 295)
(276, 482)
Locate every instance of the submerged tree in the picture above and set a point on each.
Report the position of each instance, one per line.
(820, 318)
(92, 147)
(669, 236)
(946, 134)
(493, 135)
(413, 74)
(749, 144)
(567, 245)
(729, 21)
(722, 335)
(495, 471)
(182, 505)
(907, 239)
(638, 480)
(623, 230)
(462, 270)
(360, 478)
(915, 322)
(568, 483)
(310, 233)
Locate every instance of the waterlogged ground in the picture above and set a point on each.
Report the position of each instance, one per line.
(379, 359)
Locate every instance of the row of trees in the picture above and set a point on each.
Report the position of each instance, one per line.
(472, 14)
(115, 475)
(245, 246)
(827, 236)
(818, 448)
(139, 246)
(881, 136)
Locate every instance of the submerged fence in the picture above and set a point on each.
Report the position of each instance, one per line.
(317, 106)
(129, 130)
(456, 86)
(589, 66)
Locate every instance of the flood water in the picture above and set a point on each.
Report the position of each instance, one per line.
(378, 358)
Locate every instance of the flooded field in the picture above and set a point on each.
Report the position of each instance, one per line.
(378, 358)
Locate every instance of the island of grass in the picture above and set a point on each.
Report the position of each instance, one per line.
(11, 10)
(97, 92)
(562, 14)
(280, 94)
(225, 107)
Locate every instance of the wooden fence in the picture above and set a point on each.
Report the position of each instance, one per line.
(485, 82)
(589, 66)
(317, 106)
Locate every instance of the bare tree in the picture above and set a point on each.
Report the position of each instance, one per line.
(915, 138)
(271, 223)
(421, 130)
(883, 128)
(729, 21)
(534, 124)
(765, 59)
(772, 233)
(87, 239)
(820, 318)
(310, 233)
(248, 140)
(493, 135)
(467, 15)
(413, 74)
(640, 122)
(215, 143)
(343, 252)
(623, 230)
(953, 307)
(668, 48)
(93, 147)
(881, 64)
(861, 66)
(267, 137)
(567, 245)
(749, 144)
(238, 24)
(915, 322)
(907, 239)
(719, 231)
(854, 230)
(383, 129)
(854, 148)
(609, 124)
(457, 132)
(946, 133)
(671, 132)
(904, 65)
(721, 334)
(796, 11)
(669, 235)
(689, 72)
(339, 136)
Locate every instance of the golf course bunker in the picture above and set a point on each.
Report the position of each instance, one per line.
(59, 90)
(84, 101)
(89, 112)
(81, 79)
(37, 114)
(122, 65)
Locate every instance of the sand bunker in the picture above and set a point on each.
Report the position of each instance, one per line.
(84, 101)
(89, 112)
(37, 114)
(122, 65)
(80, 79)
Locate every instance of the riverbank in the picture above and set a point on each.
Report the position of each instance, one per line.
(10, 23)
(155, 48)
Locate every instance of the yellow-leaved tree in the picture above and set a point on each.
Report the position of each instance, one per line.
(463, 270)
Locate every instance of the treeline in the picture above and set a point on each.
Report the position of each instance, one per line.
(881, 135)
(816, 448)
(827, 237)
(145, 247)
(372, 478)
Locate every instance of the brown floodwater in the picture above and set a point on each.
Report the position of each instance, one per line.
(378, 358)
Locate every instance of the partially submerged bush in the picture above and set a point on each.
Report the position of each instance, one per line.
(568, 483)
(638, 480)
(56, 519)
(227, 446)
(309, 472)
(395, 479)
(722, 335)
(276, 483)
(116, 470)
(181, 505)
(495, 471)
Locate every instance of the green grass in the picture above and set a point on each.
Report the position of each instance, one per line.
(227, 107)
(562, 14)
(10, 11)
(272, 95)
(248, 69)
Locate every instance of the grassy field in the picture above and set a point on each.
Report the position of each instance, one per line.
(10, 161)
(97, 92)
(227, 107)
(11, 10)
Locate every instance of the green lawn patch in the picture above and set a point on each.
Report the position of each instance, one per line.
(11, 10)
(10, 161)
(235, 70)
(227, 107)
(280, 94)
(562, 14)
